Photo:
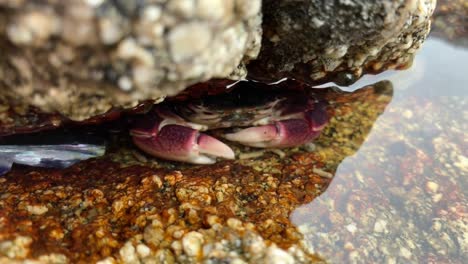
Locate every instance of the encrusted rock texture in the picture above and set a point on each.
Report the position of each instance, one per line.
(317, 41)
(82, 58)
(130, 208)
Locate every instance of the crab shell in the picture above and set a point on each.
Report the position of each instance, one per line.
(287, 107)
(268, 117)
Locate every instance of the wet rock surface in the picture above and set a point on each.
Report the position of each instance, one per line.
(374, 188)
(128, 207)
(401, 200)
(318, 41)
(83, 58)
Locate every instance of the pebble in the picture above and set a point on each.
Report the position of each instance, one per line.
(143, 250)
(437, 197)
(380, 226)
(94, 2)
(128, 254)
(192, 243)
(404, 252)
(152, 13)
(279, 256)
(349, 246)
(234, 223)
(462, 163)
(432, 187)
(408, 114)
(177, 247)
(37, 209)
(322, 173)
(351, 228)
(18, 248)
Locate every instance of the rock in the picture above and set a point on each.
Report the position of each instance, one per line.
(317, 40)
(112, 209)
(81, 58)
(84, 58)
(192, 243)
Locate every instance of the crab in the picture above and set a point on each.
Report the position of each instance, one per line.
(251, 114)
(192, 127)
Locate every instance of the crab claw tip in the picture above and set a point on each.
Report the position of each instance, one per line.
(211, 146)
(254, 134)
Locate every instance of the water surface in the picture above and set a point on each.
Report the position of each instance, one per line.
(403, 196)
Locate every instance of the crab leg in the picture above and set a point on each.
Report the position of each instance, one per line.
(180, 143)
(284, 133)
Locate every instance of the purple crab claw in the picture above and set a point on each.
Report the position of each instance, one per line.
(181, 143)
(272, 118)
(284, 133)
(281, 134)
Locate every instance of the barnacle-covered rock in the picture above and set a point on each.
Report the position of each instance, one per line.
(82, 57)
(124, 208)
(317, 41)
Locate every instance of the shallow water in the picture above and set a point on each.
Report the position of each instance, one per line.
(403, 196)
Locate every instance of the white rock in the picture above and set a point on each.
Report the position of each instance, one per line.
(278, 256)
(192, 243)
(380, 226)
(351, 228)
(37, 209)
(462, 163)
(432, 186)
(152, 13)
(128, 254)
(143, 250)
